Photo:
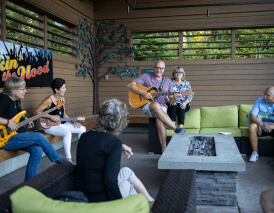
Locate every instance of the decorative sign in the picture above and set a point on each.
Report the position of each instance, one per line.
(31, 64)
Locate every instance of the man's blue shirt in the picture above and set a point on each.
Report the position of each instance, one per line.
(261, 106)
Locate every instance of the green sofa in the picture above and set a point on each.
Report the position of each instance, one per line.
(228, 119)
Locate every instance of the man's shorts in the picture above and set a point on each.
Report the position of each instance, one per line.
(150, 114)
(267, 133)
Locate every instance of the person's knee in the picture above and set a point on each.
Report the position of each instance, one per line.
(155, 106)
(67, 133)
(127, 174)
(35, 150)
(253, 128)
(83, 129)
(267, 200)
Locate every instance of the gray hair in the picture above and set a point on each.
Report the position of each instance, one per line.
(160, 61)
(113, 117)
(13, 83)
(178, 69)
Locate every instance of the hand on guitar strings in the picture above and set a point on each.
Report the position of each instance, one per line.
(30, 124)
(55, 118)
(148, 96)
(266, 128)
(12, 125)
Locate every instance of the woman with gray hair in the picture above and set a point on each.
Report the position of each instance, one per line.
(98, 172)
(179, 107)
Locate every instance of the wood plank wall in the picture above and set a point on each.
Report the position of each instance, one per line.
(215, 82)
(79, 94)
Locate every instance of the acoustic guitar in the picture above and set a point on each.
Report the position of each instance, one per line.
(47, 123)
(137, 100)
(261, 117)
(6, 133)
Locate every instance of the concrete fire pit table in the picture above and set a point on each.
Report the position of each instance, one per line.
(216, 175)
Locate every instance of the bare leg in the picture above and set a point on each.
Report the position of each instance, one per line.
(140, 188)
(181, 125)
(69, 159)
(161, 133)
(156, 108)
(267, 201)
(253, 138)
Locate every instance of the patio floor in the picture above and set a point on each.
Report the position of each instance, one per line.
(258, 176)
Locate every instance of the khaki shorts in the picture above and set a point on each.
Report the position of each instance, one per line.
(125, 178)
(148, 113)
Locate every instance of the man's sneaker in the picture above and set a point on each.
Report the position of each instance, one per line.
(180, 130)
(254, 157)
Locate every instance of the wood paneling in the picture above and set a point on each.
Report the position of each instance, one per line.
(79, 94)
(215, 82)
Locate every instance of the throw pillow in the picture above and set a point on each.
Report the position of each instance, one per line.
(29, 200)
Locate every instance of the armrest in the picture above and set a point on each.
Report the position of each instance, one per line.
(53, 179)
(178, 193)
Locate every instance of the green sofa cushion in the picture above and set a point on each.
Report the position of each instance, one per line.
(219, 117)
(29, 200)
(235, 131)
(192, 119)
(244, 109)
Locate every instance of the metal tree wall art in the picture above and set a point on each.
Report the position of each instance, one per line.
(107, 45)
(110, 43)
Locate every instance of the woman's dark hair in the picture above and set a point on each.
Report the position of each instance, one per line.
(57, 83)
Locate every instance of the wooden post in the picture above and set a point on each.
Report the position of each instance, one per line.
(180, 45)
(233, 44)
(3, 20)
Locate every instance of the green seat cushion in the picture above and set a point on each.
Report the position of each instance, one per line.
(192, 119)
(219, 117)
(170, 132)
(29, 200)
(244, 109)
(244, 131)
(235, 131)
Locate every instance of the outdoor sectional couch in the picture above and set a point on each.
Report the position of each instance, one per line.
(177, 194)
(227, 119)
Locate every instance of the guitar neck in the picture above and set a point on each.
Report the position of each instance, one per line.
(23, 123)
(68, 119)
(268, 120)
(158, 94)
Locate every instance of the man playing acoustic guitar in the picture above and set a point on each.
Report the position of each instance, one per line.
(257, 128)
(158, 107)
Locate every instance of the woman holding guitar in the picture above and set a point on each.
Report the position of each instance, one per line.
(181, 106)
(51, 121)
(13, 135)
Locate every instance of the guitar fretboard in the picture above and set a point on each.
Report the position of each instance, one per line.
(68, 119)
(268, 120)
(25, 122)
(158, 94)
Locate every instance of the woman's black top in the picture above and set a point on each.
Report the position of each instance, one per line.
(10, 108)
(59, 111)
(98, 164)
